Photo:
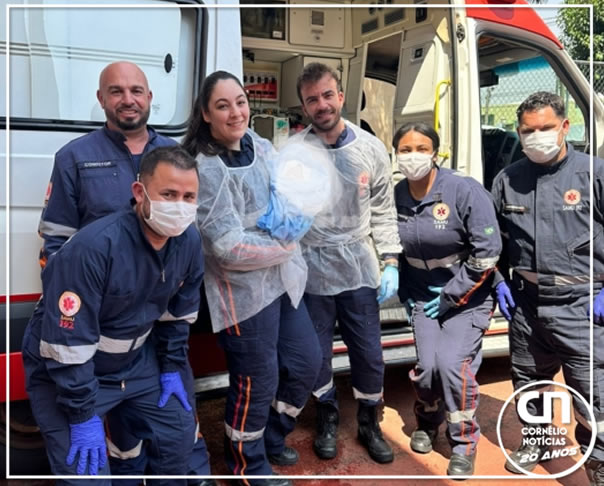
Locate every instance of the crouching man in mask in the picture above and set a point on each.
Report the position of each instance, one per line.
(87, 349)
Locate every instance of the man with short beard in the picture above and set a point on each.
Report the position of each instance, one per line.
(343, 269)
(91, 178)
(92, 174)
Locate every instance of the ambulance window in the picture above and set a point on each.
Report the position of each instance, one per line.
(509, 73)
(56, 55)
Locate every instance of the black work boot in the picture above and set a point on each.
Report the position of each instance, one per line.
(527, 456)
(422, 439)
(287, 457)
(460, 465)
(595, 472)
(324, 445)
(370, 434)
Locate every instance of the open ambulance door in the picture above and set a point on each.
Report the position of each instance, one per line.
(425, 84)
(354, 90)
(512, 54)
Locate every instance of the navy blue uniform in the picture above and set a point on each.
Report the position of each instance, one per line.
(254, 287)
(544, 217)
(92, 177)
(451, 240)
(87, 349)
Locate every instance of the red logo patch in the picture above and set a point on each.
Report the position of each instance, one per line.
(69, 303)
(441, 211)
(572, 197)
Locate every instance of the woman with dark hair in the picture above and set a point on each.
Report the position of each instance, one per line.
(254, 284)
(449, 231)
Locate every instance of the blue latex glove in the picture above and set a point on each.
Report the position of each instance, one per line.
(505, 300)
(409, 306)
(283, 221)
(171, 384)
(431, 309)
(389, 285)
(599, 308)
(88, 438)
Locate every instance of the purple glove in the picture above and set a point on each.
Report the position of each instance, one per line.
(88, 438)
(171, 384)
(505, 300)
(599, 308)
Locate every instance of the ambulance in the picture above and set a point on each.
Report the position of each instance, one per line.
(462, 66)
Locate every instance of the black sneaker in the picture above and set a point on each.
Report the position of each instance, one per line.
(288, 457)
(421, 440)
(527, 457)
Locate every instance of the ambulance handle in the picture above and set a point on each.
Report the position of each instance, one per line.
(444, 155)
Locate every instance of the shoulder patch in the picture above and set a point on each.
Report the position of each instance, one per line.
(48, 193)
(69, 303)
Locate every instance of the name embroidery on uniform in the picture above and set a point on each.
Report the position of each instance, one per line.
(94, 165)
(441, 215)
(572, 198)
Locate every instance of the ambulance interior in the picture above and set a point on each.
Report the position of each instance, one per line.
(398, 65)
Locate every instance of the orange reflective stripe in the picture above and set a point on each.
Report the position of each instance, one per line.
(473, 407)
(245, 411)
(465, 298)
(463, 398)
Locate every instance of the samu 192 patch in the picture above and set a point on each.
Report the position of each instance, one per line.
(66, 322)
(489, 230)
(69, 303)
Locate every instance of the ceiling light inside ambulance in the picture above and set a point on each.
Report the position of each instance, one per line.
(504, 59)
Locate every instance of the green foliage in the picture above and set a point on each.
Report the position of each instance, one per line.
(574, 23)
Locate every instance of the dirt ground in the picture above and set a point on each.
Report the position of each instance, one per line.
(397, 422)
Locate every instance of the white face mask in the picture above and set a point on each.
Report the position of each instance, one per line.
(415, 165)
(169, 218)
(541, 147)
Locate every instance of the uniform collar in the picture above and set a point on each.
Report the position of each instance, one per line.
(434, 194)
(119, 138)
(344, 138)
(560, 165)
